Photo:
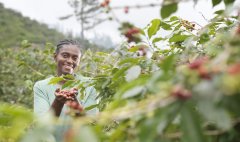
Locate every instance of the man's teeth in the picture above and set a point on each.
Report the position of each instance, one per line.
(69, 66)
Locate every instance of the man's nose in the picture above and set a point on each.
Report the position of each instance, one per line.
(69, 60)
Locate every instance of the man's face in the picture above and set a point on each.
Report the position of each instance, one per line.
(67, 59)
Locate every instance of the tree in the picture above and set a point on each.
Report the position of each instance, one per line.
(87, 12)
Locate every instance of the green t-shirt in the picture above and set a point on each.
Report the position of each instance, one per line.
(44, 97)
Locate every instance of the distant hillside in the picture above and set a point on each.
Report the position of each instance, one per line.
(14, 28)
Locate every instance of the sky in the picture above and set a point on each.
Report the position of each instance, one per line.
(49, 12)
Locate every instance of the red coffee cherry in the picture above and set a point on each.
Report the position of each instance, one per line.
(234, 69)
(204, 73)
(126, 9)
(196, 64)
(181, 93)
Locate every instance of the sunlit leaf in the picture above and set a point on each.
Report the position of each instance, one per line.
(55, 80)
(174, 18)
(154, 27)
(67, 84)
(157, 39)
(91, 107)
(178, 38)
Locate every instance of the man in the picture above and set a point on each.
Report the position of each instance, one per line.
(51, 97)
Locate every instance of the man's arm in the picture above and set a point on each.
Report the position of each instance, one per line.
(57, 107)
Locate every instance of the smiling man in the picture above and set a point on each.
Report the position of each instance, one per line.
(50, 97)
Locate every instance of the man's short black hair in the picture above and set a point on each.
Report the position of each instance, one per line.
(67, 42)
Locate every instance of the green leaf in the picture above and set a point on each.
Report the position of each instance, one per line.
(178, 38)
(204, 38)
(190, 125)
(155, 25)
(133, 49)
(227, 2)
(166, 26)
(216, 2)
(120, 73)
(168, 9)
(91, 107)
(168, 63)
(174, 18)
(68, 83)
(102, 54)
(69, 76)
(25, 44)
(55, 80)
(157, 39)
(129, 60)
(219, 12)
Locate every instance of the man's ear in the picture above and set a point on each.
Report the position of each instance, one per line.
(55, 57)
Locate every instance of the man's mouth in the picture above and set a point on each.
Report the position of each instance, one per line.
(68, 67)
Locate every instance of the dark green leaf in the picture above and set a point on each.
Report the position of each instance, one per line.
(166, 26)
(216, 2)
(120, 73)
(219, 12)
(168, 9)
(204, 38)
(191, 125)
(227, 2)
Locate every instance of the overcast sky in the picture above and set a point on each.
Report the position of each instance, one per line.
(49, 11)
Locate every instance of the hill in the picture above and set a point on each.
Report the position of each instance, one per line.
(14, 28)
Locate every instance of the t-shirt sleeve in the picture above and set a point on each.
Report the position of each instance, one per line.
(41, 100)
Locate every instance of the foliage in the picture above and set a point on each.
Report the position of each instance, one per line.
(185, 87)
(23, 62)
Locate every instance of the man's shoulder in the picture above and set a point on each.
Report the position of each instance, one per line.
(43, 82)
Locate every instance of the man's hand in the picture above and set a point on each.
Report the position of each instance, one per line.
(63, 96)
(66, 95)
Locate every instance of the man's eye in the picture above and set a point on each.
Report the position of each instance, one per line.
(75, 58)
(65, 56)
